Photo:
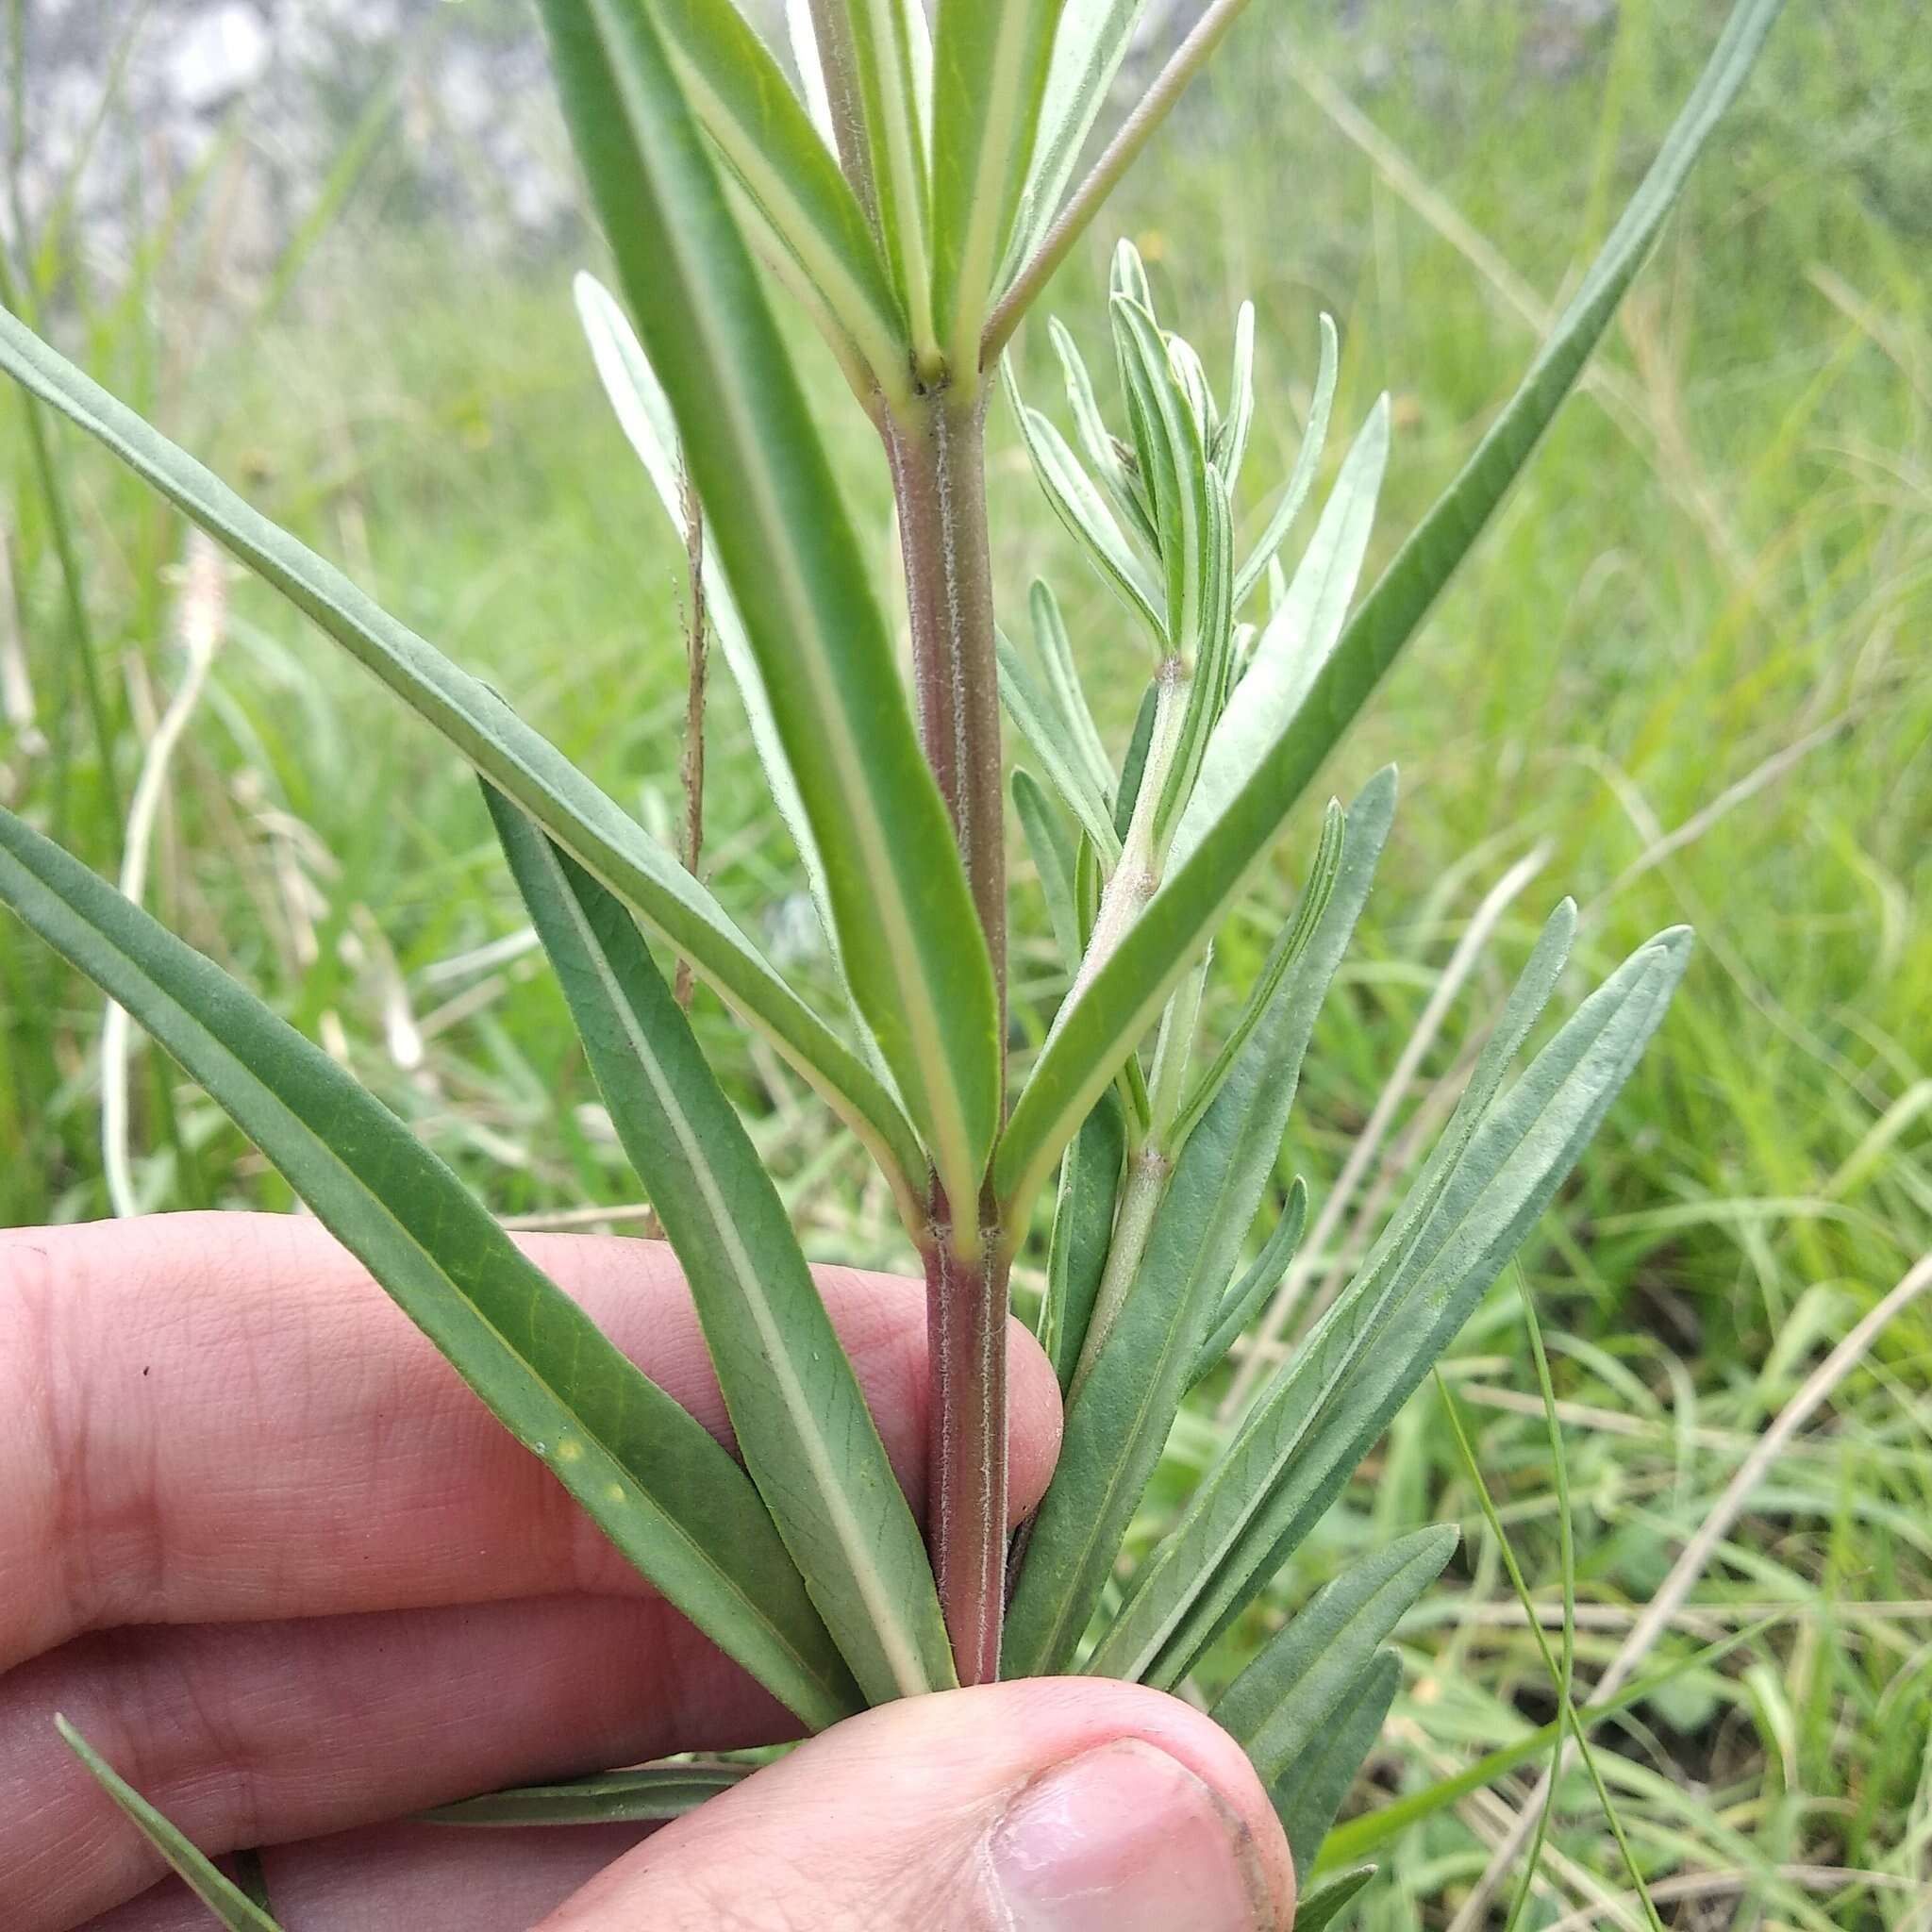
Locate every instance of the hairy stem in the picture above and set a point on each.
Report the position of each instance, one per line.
(966, 1510)
(937, 451)
(937, 455)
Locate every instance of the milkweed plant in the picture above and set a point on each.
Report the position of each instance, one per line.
(912, 192)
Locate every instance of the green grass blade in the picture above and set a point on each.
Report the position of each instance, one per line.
(1276, 1709)
(1309, 1793)
(1566, 1710)
(908, 934)
(596, 831)
(1317, 1418)
(1088, 49)
(651, 1794)
(1245, 1298)
(1051, 741)
(1231, 444)
(222, 1896)
(761, 129)
(801, 1421)
(990, 68)
(1302, 477)
(1123, 1409)
(1359, 1836)
(1297, 639)
(670, 1499)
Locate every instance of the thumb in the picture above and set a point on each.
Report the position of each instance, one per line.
(1051, 1805)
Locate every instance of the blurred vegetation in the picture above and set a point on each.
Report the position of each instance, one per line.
(1691, 670)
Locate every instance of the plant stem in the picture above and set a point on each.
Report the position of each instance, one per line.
(1141, 1197)
(938, 457)
(966, 1482)
(937, 450)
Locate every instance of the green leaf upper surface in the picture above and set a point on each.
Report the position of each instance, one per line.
(909, 938)
(221, 1895)
(768, 140)
(1119, 1002)
(1121, 1414)
(651, 1794)
(1309, 1792)
(1279, 1704)
(651, 1478)
(795, 1407)
(1315, 1421)
(990, 67)
(597, 832)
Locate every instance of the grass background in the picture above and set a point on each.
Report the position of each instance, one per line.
(1691, 667)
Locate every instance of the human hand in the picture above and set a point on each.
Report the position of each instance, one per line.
(274, 1559)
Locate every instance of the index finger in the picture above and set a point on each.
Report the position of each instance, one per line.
(221, 1418)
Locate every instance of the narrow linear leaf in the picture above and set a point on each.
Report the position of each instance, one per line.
(804, 39)
(1092, 42)
(1309, 1793)
(652, 1795)
(1282, 954)
(251, 1879)
(767, 140)
(1231, 445)
(909, 938)
(1055, 858)
(795, 1404)
(1082, 1228)
(652, 1479)
(1278, 1706)
(990, 68)
(1324, 1906)
(1118, 1002)
(1097, 441)
(1394, 609)
(1296, 639)
(1246, 1298)
(225, 1899)
(1054, 649)
(1302, 477)
(1121, 1415)
(643, 413)
(1038, 720)
(1079, 505)
(597, 832)
(888, 40)
(1311, 1427)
